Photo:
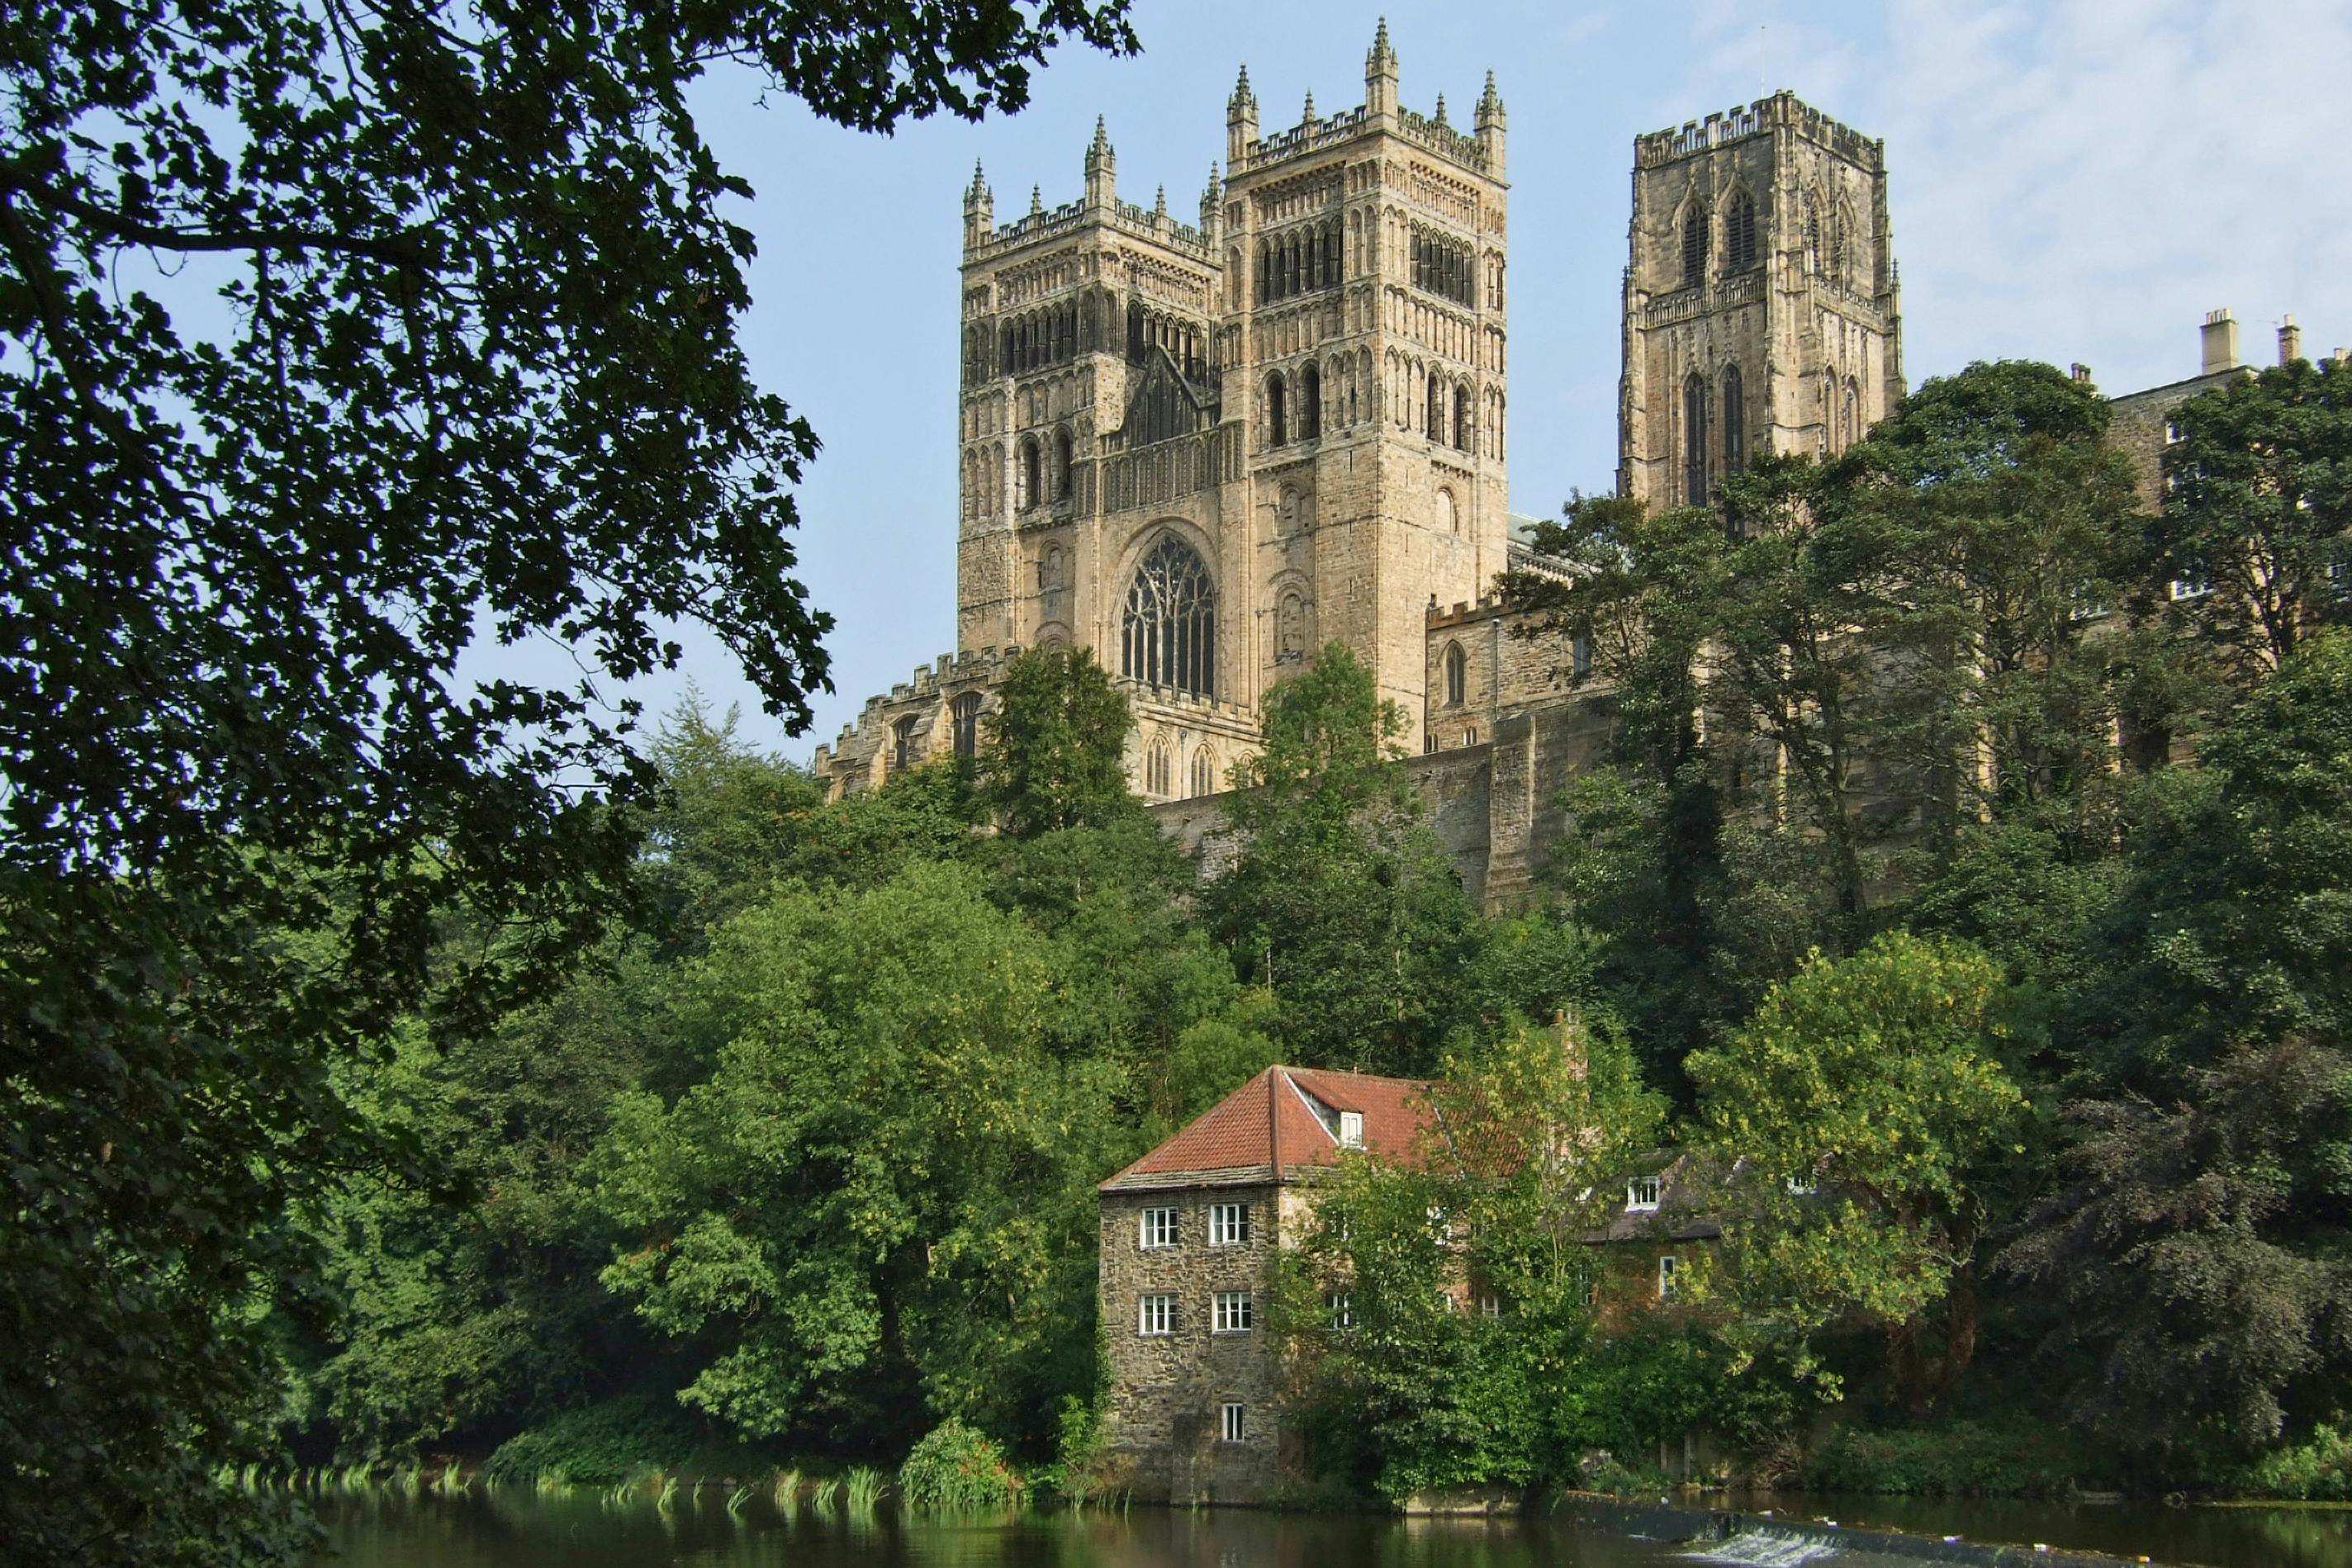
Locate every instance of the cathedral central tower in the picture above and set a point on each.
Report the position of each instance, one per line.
(1204, 450)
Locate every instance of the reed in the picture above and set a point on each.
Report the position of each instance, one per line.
(668, 1501)
(865, 1485)
(828, 1493)
(788, 1491)
(735, 1503)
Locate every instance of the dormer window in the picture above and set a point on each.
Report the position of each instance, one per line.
(1351, 1129)
(1642, 1195)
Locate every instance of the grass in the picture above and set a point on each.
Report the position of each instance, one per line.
(865, 1485)
(788, 1491)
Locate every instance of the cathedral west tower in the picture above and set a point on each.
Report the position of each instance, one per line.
(1762, 311)
(1204, 450)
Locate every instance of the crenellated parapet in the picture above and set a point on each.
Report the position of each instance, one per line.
(1766, 114)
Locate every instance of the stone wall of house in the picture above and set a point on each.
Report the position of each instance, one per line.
(1163, 1429)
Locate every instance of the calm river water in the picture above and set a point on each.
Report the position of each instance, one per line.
(519, 1530)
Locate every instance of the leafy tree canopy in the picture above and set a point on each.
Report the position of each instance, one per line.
(475, 377)
(1053, 756)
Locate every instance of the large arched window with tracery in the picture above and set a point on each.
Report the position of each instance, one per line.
(1172, 622)
(1694, 441)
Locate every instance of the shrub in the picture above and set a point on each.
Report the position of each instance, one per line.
(1963, 1460)
(598, 1445)
(2319, 1471)
(956, 1467)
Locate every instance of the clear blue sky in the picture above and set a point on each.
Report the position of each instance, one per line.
(2070, 181)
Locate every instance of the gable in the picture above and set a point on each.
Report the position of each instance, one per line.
(1161, 405)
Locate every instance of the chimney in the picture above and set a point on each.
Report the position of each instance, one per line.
(2290, 341)
(2079, 373)
(2220, 341)
(1568, 1024)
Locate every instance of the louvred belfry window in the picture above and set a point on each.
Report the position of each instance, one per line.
(1172, 622)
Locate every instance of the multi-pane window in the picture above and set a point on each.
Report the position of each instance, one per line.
(1155, 1315)
(1351, 1129)
(1667, 1265)
(1232, 1428)
(1172, 621)
(1739, 233)
(1340, 1308)
(963, 716)
(1157, 1227)
(1642, 1193)
(1490, 1305)
(1228, 1224)
(1230, 1311)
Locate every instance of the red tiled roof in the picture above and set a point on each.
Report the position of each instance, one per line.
(1272, 1121)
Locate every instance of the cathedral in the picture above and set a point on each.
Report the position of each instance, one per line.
(1204, 450)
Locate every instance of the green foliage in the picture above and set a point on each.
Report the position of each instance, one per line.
(1424, 1390)
(879, 1199)
(2257, 509)
(1877, 1082)
(1341, 904)
(2316, 1469)
(2194, 1252)
(958, 1468)
(1963, 1458)
(1052, 757)
(471, 372)
(598, 1445)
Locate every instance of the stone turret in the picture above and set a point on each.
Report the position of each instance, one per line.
(979, 209)
(1490, 127)
(1212, 208)
(1102, 169)
(1240, 121)
(1380, 74)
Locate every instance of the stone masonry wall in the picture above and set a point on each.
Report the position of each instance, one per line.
(1163, 1430)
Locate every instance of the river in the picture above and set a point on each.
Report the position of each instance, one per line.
(519, 1529)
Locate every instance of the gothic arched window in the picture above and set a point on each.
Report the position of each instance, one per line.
(1693, 244)
(905, 751)
(1457, 675)
(1061, 464)
(1449, 521)
(1172, 622)
(1277, 417)
(1030, 462)
(1734, 421)
(1853, 412)
(1694, 441)
(1156, 769)
(1265, 272)
(963, 720)
(1433, 426)
(1310, 403)
(1462, 417)
(1204, 773)
(1739, 232)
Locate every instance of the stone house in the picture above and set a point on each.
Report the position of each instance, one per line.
(1190, 1236)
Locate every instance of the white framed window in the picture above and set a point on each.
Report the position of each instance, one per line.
(1667, 1266)
(1156, 1229)
(1351, 1129)
(1231, 1427)
(1490, 1305)
(1232, 1313)
(2196, 587)
(1340, 1307)
(2171, 431)
(1228, 1224)
(1802, 1187)
(1155, 1315)
(1642, 1195)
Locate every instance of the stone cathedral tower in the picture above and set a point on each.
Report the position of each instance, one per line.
(1762, 309)
(1204, 451)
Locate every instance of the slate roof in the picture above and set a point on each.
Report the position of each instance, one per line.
(1687, 1193)
(1284, 1121)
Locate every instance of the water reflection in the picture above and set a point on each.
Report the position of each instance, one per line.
(516, 1528)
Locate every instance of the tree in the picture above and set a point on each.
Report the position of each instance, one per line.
(878, 1201)
(1339, 902)
(2257, 518)
(2234, 923)
(1418, 1386)
(477, 372)
(1054, 753)
(2192, 1253)
(1854, 1109)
